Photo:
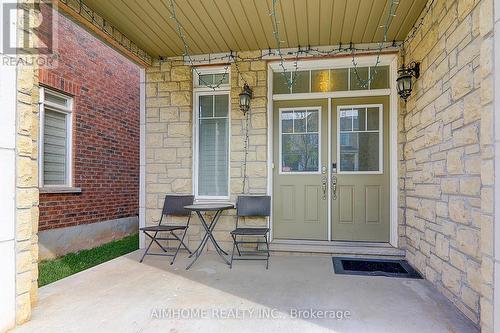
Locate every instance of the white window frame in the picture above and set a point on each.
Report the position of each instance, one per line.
(380, 138)
(211, 70)
(327, 64)
(68, 111)
(280, 146)
(224, 89)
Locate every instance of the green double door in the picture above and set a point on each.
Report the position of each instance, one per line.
(331, 169)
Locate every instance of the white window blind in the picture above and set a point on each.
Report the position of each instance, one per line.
(213, 145)
(55, 155)
(54, 148)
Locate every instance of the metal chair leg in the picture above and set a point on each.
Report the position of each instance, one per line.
(178, 248)
(147, 249)
(232, 252)
(237, 247)
(268, 255)
(181, 241)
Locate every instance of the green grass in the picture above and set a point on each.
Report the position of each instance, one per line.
(56, 269)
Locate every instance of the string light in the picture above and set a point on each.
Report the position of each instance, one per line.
(234, 58)
(310, 51)
(276, 33)
(289, 77)
(365, 83)
(180, 32)
(416, 27)
(245, 154)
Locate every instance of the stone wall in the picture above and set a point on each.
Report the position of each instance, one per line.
(169, 129)
(26, 245)
(446, 163)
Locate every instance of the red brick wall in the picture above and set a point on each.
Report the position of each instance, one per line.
(105, 87)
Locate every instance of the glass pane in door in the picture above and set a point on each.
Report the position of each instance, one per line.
(360, 139)
(299, 132)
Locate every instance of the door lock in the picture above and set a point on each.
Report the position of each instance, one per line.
(324, 186)
(334, 167)
(334, 187)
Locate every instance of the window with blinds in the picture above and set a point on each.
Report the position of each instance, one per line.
(56, 139)
(213, 145)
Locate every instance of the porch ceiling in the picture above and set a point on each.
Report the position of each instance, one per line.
(213, 26)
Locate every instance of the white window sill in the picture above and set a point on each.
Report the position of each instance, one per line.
(62, 189)
(213, 200)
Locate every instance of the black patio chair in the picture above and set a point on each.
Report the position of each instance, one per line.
(248, 206)
(173, 206)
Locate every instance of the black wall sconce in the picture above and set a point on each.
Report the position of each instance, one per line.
(245, 97)
(404, 81)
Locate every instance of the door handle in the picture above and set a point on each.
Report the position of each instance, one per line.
(324, 186)
(334, 187)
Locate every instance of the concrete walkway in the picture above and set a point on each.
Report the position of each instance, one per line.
(125, 296)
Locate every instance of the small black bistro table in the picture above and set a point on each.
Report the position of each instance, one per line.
(218, 208)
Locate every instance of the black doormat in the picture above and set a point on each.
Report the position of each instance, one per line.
(374, 267)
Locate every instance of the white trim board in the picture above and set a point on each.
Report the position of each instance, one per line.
(8, 97)
(196, 144)
(67, 110)
(142, 156)
(339, 248)
(393, 155)
(330, 63)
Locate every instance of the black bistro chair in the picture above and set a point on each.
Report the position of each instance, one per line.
(251, 206)
(174, 206)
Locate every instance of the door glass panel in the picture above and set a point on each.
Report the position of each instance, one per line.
(359, 82)
(300, 82)
(379, 77)
(359, 143)
(299, 123)
(300, 141)
(287, 122)
(359, 121)
(359, 151)
(373, 119)
(339, 79)
(320, 81)
(346, 120)
(312, 121)
(280, 84)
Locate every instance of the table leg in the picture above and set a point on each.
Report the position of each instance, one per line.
(208, 235)
(205, 237)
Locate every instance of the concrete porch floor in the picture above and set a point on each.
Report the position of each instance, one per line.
(125, 296)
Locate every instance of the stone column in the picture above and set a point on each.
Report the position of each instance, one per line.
(27, 131)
